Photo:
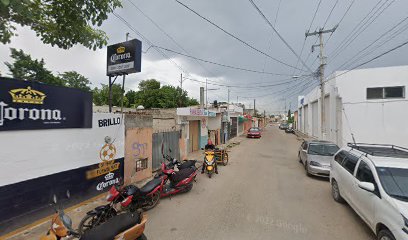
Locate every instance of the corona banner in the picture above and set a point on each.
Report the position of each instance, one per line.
(28, 105)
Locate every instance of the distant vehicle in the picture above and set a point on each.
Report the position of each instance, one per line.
(316, 156)
(289, 129)
(373, 180)
(254, 132)
(283, 126)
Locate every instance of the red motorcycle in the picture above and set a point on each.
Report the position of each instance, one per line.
(167, 182)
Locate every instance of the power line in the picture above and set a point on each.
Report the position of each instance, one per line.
(358, 29)
(342, 18)
(362, 30)
(277, 33)
(331, 11)
(372, 59)
(233, 36)
(396, 33)
(220, 64)
(165, 33)
(304, 41)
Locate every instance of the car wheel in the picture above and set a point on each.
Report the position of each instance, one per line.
(385, 235)
(307, 169)
(336, 192)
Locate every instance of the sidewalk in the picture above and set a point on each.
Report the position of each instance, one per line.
(77, 212)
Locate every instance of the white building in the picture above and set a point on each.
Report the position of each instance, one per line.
(370, 104)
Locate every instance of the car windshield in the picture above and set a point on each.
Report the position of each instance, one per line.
(323, 149)
(254, 130)
(394, 182)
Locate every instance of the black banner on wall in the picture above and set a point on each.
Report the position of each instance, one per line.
(31, 199)
(26, 105)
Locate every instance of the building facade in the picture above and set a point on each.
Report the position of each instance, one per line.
(367, 104)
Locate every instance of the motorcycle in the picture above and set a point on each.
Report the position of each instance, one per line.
(209, 162)
(127, 226)
(131, 198)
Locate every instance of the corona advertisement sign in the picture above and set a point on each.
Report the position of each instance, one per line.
(27, 105)
(124, 58)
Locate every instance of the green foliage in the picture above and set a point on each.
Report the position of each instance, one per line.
(26, 68)
(75, 80)
(101, 96)
(290, 118)
(58, 22)
(150, 95)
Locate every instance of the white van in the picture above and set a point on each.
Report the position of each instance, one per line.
(373, 180)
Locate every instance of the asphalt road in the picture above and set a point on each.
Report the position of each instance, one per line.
(263, 193)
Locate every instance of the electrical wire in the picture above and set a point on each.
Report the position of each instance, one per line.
(331, 11)
(233, 36)
(278, 34)
(395, 34)
(361, 31)
(357, 30)
(221, 64)
(341, 20)
(372, 59)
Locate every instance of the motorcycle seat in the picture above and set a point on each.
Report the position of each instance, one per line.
(182, 174)
(149, 186)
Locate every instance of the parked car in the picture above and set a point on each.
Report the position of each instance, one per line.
(254, 132)
(373, 180)
(283, 126)
(290, 129)
(316, 156)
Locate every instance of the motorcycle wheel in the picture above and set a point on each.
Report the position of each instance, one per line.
(209, 174)
(88, 222)
(188, 188)
(153, 201)
(225, 159)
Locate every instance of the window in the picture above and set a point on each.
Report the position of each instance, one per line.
(340, 157)
(350, 163)
(374, 93)
(386, 92)
(364, 173)
(141, 164)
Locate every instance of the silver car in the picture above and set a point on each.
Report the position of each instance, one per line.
(316, 156)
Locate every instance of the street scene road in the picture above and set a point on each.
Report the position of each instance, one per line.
(263, 193)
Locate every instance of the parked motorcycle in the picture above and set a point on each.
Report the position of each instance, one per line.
(209, 163)
(126, 226)
(131, 198)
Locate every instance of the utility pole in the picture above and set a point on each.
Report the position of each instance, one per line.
(254, 108)
(321, 73)
(206, 93)
(181, 81)
(123, 84)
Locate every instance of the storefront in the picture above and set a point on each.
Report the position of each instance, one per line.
(194, 125)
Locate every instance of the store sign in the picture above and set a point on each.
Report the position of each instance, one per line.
(124, 58)
(27, 105)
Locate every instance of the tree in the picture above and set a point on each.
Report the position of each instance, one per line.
(101, 96)
(58, 22)
(75, 80)
(290, 118)
(24, 67)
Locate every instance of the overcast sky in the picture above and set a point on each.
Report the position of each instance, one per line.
(200, 39)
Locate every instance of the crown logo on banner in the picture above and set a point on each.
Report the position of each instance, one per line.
(109, 176)
(27, 95)
(120, 50)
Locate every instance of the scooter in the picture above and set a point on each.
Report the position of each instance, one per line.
(127, 226)
(210, 163)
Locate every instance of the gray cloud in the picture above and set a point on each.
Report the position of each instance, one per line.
(205, 41)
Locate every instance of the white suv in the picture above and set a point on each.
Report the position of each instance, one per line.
(373, 180)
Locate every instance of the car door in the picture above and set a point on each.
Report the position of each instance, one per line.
(303, 152)
(364, 201)
(347, 176)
